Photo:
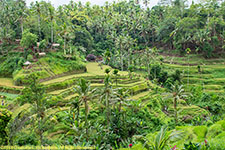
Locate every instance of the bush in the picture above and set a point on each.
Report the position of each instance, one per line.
(43, 45)
(11, 64)
(214, 130)
(30, 57)
(28, 39)
(176, 76)
(5, 117)
(200, 131)
(25, 138)
(155, 71)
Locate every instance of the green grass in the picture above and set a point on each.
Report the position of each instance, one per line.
(8, 95)
(71, 96)
(92, 70)
(49, 67)
(140, 95)
(8, 82)
(57, 92)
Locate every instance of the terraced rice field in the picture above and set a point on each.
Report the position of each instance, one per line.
(137, 85)
(8, 82)
(96, 76)
(62, 88)
(211, 76)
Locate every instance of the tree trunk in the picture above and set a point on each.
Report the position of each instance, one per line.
(64, 46)
(21, 27)
(52, 33)
(86, 114)
(121, 58)
(108, 110)
(120, 106)
(175, 110)
(39, 27)
(128, 57)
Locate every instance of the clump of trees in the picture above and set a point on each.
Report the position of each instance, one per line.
(170, 24)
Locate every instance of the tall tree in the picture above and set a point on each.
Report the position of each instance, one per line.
(83, 89)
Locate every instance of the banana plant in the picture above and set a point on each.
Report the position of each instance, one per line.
(161, 140)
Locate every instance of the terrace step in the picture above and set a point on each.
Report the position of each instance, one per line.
(140, 95)
(71, 96)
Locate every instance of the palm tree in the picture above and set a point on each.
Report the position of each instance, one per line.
(21, 13)
(38, 10)
(83, 89)
(119, 44)
(115, 72)
(107, 95)
(188, 50)
(65, 33)
(177, 93)
(122, 97)
(39, 101)
(51, 16)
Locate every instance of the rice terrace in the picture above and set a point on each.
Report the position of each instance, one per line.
(123, 75)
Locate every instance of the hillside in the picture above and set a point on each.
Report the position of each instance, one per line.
(209, 75)
(141, 90)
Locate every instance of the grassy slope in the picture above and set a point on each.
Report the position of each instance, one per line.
(92, 70)
(49, 67)
(8, 82)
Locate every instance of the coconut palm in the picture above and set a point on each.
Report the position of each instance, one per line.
(83, 89)
(176, 93)
(51, 17)
(38, 11)
(115, 73)
(107, 95)
(122, 97)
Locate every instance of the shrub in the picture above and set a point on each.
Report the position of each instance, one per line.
(25, 138)
(28, 39)
(43, 45)
(214, 130)
(155, 71)
(222, 123)
(30, 57)
(200, 131)
(176, 76)
(5, 117)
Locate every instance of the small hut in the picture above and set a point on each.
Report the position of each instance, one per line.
(42, 54)
(55, 46)
(17, 41)
(27, 63)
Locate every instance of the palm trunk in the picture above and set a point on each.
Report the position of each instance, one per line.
(107, 108)
(121, 58)
(120, 106)
(86, 114)
(52, 33)
(64, 46)
(175, 110)
(39, 27)
(128, 57)
(21, 27)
